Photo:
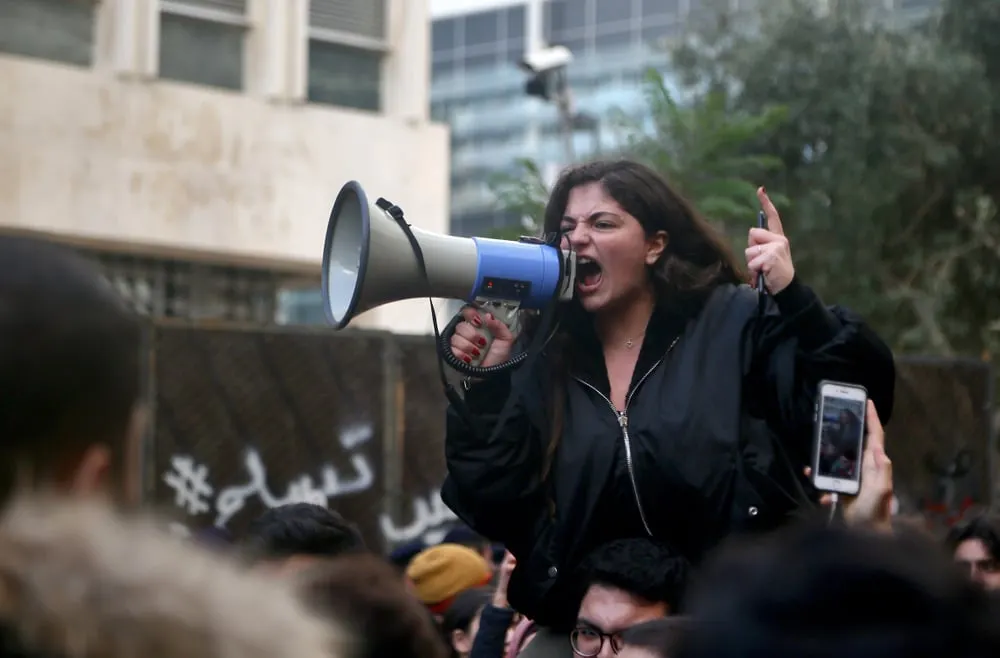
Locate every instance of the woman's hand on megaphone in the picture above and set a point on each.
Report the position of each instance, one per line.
(472, 338)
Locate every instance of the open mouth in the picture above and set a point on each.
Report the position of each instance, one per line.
(588, 274)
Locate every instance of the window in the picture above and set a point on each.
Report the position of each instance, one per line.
(303, 306)
(443, 68)
(178, 289)
(613, 11)
(482, 28)
(443, 35)
(201, 42)
(487, 59)
(58, 30)
(515, 22)
(662, 9)
(347, 46)
(613, 40)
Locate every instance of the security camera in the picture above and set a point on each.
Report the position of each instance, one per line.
(547, 59)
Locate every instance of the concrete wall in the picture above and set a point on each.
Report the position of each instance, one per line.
(112, 157)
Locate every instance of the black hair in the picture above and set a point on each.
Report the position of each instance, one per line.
(402, 555)
(465, 536)
(463, 610)
(302, 529)
(659, 636)
(984, 527)
(818, 592)
(70, 374)
(645, 568)
(697, 257)
(696, 261)
(365, 594)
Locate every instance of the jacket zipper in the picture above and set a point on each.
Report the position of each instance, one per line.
(623, 423)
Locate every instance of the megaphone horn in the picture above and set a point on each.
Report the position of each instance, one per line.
(368, 261)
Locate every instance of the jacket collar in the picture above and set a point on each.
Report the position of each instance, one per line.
(586, 355)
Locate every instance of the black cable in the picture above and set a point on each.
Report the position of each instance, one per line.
(530, 354)
(446, 354)
(469, 370)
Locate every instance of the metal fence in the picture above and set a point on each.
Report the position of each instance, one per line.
(249, 418)
(941, 438)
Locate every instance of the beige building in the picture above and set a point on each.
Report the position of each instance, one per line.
(196, 146)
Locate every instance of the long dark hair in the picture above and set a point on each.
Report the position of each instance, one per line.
(697, 258)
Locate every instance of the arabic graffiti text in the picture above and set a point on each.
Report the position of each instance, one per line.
(194, 492)
(196, 495)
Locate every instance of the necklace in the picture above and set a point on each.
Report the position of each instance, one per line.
(630, 343)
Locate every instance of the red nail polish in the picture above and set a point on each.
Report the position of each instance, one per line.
(476, 321)
(481, 341)
(475, 351)
(467, 359)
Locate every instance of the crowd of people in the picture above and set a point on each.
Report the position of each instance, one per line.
(614, 501)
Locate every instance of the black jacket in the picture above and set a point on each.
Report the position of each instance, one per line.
(704, 417)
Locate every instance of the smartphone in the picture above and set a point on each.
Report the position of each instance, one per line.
(839, 437)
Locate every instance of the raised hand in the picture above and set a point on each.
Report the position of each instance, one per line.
(872, 506)
(768, 250)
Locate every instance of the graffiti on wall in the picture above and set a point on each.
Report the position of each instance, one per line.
(430, 520)
(196, 495)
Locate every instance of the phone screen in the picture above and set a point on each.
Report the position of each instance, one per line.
(841, 438)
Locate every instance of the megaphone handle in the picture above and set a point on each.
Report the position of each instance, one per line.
(506, 312)
(484, 349)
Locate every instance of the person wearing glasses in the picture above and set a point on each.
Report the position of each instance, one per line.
(625, 583)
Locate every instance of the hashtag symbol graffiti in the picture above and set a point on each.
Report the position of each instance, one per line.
(190, 484)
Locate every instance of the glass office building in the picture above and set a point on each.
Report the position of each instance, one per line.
(478, 88)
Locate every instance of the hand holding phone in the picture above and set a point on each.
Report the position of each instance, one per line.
(839, 437)
(873, 506)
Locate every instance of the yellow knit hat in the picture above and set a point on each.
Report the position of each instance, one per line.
(443, 571)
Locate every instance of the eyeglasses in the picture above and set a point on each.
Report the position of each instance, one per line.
(589, 641)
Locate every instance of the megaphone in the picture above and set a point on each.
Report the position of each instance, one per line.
(368, 261)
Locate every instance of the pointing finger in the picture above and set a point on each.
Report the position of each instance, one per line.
(773, 219)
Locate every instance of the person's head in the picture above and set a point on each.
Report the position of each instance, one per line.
(364, 593)
(635, 237)
(460, 623)
(81, 580)
(626, 582)
(70, 413)
(818, 592)
(465, 536)
(402, 555)
(658, 638)
(975, 545)
(295, 535)
(442, 572)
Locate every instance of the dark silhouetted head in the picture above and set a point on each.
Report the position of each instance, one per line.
(69, 371)
(365, 594)
(301, 531)
(817, 592)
